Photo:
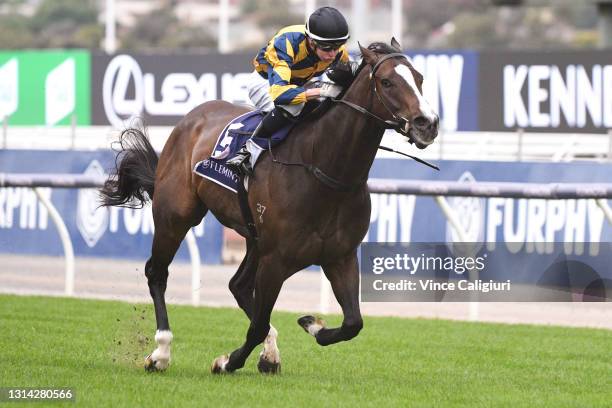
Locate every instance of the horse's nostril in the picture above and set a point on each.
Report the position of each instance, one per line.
(436, 122)
(421, 122)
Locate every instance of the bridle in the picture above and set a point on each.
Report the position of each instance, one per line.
(399, 124)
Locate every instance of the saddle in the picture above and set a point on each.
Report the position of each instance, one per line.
(236, 134)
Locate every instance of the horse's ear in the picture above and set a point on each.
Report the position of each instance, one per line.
(396, 44)
(368, 56)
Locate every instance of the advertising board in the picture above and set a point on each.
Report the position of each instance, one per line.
(45, 87)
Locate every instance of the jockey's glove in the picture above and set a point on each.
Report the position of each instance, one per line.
(329, 90)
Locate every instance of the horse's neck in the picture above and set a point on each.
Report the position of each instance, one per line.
(345, 141)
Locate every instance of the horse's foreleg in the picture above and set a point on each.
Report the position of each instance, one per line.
(269, 358)
(268, 282)
(344, 279)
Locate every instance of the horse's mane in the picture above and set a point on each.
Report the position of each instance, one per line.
(382, 48)
(378, 48)
(315, 110)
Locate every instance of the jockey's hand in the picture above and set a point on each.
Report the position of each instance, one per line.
(342, 73)
(329, 90)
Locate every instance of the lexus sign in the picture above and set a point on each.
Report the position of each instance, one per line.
(162, 89)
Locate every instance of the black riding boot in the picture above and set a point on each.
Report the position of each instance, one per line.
(273, 121)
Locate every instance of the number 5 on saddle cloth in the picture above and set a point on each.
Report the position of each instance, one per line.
(232, 138)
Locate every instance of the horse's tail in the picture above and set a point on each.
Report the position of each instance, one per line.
(134, 173)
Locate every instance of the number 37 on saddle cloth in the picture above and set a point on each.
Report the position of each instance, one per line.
(237, 133)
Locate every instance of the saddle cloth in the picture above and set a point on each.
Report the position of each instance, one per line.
(236, 134)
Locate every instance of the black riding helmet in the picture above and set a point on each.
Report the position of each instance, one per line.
(327, 26)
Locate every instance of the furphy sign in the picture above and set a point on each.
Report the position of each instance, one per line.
(26, 227)
(163, 88)
(550, 92)
(20, 208)
(519, 225)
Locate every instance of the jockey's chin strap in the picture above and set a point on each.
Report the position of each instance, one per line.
(399, 124)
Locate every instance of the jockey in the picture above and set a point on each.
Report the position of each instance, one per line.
(293, 56)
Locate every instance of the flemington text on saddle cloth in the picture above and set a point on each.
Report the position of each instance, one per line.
(237, 132)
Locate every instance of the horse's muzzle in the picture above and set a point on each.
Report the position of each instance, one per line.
(423, 131)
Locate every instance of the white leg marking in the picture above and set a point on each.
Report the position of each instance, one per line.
(219, 364)
(314, 328)
(161, 355)
(270, 352)
(223, 362)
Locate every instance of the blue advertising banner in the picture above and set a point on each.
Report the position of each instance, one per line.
(534, 250)
(451, 86)
(580, 224)
(26, 228)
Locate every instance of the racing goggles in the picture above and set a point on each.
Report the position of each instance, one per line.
(328, 46)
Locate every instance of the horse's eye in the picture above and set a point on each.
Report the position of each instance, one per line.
(386, 83)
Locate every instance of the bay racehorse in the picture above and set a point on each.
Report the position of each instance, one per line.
(315, 213)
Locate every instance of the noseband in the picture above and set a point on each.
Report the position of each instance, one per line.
(399, 124)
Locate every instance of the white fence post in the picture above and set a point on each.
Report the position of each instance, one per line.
(324, 295)
(610, 145)
(5, 132)
(194, 253)
(64, 236)
(452, 217)
(36, 181)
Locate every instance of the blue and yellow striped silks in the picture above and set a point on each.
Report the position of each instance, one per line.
(288, 65)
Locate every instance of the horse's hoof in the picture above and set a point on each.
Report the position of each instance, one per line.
(218, 366)
(311, 324)
(306, 321)
(268, 367)
(151, 365)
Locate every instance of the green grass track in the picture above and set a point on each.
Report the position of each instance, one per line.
(97, 348)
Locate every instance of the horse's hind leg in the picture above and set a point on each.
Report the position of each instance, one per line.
(242, 286)
(171, 226)
(268, 282)
(344, 279)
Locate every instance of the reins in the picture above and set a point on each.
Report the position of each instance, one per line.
(320, 174)
(399, 124)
